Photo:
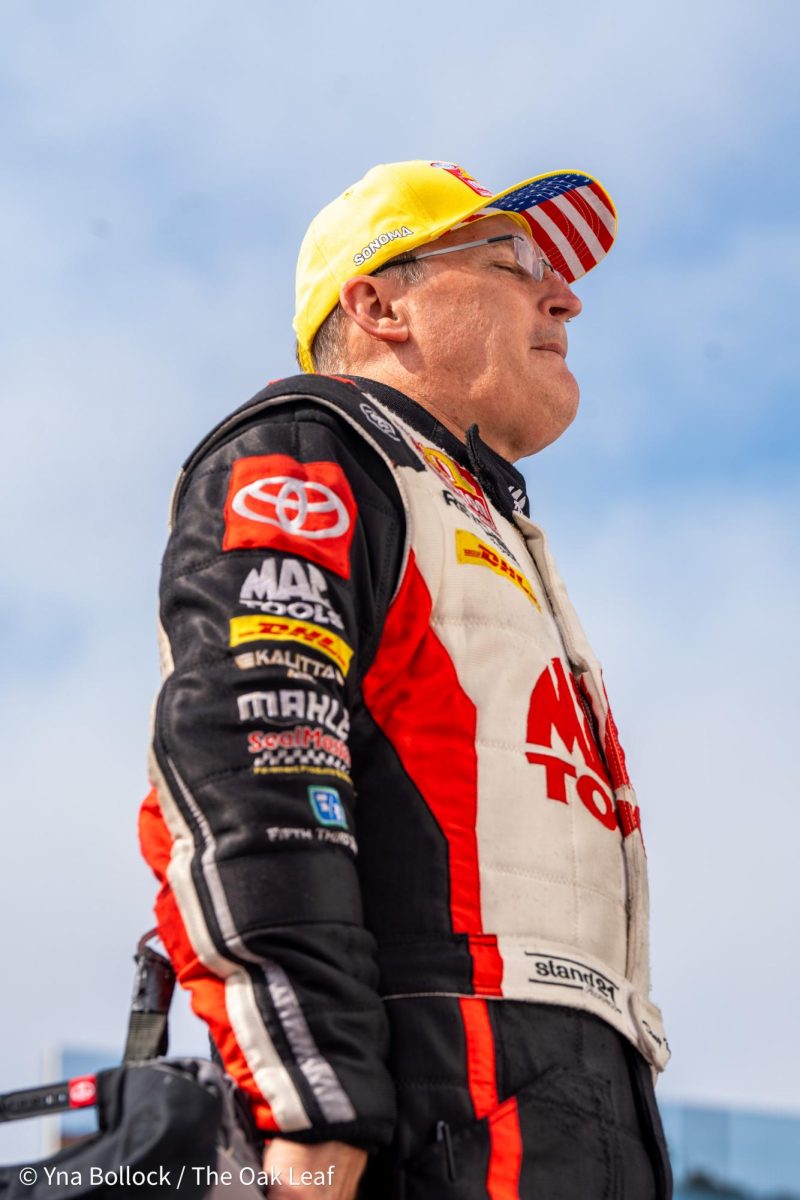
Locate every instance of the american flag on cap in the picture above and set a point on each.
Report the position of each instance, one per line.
(571, 216)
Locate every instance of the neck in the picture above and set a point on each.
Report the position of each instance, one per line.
(448, 404)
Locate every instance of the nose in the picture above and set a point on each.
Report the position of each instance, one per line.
(559, 300)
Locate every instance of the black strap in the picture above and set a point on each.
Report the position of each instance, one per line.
(35, 1102)
(148, 1036)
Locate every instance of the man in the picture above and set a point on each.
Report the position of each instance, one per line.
(401, 858)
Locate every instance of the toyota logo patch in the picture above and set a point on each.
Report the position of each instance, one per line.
(307, 509)
(292, 505)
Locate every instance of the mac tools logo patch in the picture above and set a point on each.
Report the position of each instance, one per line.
(305, 508)
(289, 587)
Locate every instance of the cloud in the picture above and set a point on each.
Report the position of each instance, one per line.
(256, 97)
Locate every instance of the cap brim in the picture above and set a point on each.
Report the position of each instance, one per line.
(571, 217)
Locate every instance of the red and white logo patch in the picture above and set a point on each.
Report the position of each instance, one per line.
(461, 482)
(460, 173)
(305, 508)
(82, 1091)
(561, 740)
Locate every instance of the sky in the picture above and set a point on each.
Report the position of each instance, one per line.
(160, 164)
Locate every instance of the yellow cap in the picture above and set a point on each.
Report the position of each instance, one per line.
(399, 206)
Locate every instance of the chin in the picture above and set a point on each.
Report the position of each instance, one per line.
(570, 407)
(557, 414)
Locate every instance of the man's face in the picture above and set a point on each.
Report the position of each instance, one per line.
(487, 331)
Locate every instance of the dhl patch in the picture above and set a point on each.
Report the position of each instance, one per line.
(271, 629)
(470, 549)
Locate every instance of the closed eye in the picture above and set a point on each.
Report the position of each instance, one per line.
(511, 267)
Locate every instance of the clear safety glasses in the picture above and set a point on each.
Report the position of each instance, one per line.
(528, 256)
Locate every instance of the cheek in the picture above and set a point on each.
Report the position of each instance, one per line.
(456, 322)
(508, 323)
(507, 339)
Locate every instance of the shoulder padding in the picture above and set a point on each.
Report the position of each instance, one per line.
(362, 410)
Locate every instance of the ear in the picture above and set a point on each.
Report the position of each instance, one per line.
(373, 303)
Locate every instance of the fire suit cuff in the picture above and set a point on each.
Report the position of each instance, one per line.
(369, 1135)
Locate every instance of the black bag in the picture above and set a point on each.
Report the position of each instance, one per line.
(165, 1125)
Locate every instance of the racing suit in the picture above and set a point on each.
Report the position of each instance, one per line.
(401, 860)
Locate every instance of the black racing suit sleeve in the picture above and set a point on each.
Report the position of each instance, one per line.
(260, 906)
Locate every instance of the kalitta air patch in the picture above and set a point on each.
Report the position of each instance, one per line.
(274, 629)
(470, 549)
